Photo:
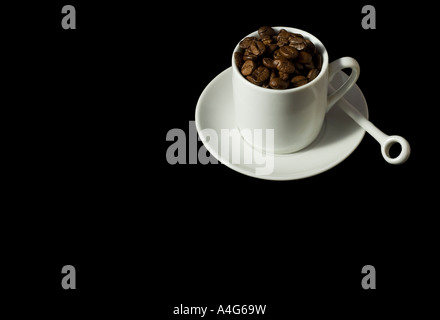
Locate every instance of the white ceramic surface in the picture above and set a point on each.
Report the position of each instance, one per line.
(384, 140)
(338, 138)
(296, 114)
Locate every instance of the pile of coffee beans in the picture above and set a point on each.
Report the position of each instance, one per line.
(278, 60)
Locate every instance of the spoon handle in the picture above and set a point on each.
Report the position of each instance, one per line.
(385, 141)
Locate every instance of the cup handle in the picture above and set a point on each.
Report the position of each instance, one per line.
(333, 68)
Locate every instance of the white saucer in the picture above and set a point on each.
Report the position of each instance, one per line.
(338, 138)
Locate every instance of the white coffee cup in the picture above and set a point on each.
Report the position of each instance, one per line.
(296, 115)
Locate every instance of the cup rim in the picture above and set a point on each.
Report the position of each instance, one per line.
(306, 35)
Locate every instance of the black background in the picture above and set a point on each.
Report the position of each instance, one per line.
(92, 188)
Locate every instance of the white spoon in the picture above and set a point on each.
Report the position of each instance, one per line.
(385, 141)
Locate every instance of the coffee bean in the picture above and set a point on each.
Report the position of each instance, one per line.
(257, 48)
(284, 76)
(267, 40)
(282, 42)
(299, 66)
(289, 52)
(248, 67)
(283, 38)
(248, 55)
(277, 54)
(283, 34)
(298, 81)
(284, 65)
(253, 80)
(261, 74)
(309, 65)
(313, 73)
(266, 31)
(304, 57)
(278, 83)
(298, 43)
(278, 60)
(246, 42)
(271, 48)
(269, 63)
(297, 35)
